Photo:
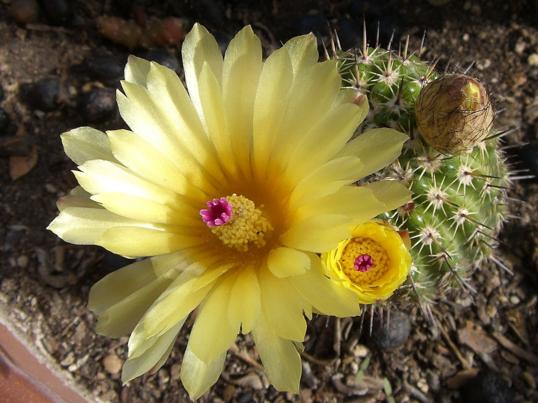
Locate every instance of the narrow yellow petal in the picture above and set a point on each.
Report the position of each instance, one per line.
(240, 76)
(119, 284)
(183, 295)
(303, 51)
(170, 97)
(136, 70)
(376, 148)
(121, 318)
(325, 180)
(98, 176)
(152, 357)
(280, 358)
(270, 105)
(144, 210)
(198, 376)
(213, 110)
(326, 296)
(333, 132)
(136, 241)
(142, 158)
(309, 100)
(244, 305)
(392, 193)
(359, 203)
(213, 333)
(86, 143)
(85, 226)
(285, 262)
(198, 47)
(317, 234)
(282, 307)
(77, 197)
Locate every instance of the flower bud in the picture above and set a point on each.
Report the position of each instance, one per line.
(454, 113)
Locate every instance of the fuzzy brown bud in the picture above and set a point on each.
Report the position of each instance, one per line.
(454, 113)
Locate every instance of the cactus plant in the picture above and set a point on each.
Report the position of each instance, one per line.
(459, 199)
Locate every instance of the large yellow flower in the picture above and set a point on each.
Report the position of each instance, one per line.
(372, 264)
(232, 189)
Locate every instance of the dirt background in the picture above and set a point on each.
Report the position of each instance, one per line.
(58, 71)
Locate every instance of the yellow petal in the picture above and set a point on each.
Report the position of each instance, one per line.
(326, 296)
(157, 353)
(285, 262)
(136, 70)
(85, 144)
(310, 98)
(240, 75)
(198, 47)
(282, 307)
(198, 376)
(119, 284)
(121, 318)
(136, 241)
(170, 97)
(213, 110)
(270, 105)
(98, 176)
(244, 305)
(280, 358)
(303, 51)
(145, 210)
(184, 295)
(333, 132)
(85, 226)
(148, 121)
(213, 333)
(359, 203)
(376, 148)
(317, 234)
(393, 194)
(143, 159)
(77, 197)
(325, 180)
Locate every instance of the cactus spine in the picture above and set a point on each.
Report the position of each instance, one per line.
(459, 200)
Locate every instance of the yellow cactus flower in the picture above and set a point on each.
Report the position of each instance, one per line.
(373, 263)
(231, 189)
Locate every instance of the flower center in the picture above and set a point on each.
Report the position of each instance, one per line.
(237, 222)
(364, 261)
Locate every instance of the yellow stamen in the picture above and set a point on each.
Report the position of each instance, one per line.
(248, 225)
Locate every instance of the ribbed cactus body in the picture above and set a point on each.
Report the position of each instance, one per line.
(459, 201)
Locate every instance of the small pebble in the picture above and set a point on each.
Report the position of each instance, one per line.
(24, 11)
(49, 187)
(99, 105)
(529, 379)
(22, 261)
(112, 364)
(533, 59)
(392, 334)
(42, 95)
(487, 387)
(514, 299)
(465, 37)
(58, 12)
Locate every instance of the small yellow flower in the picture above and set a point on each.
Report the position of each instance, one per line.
(373, 263)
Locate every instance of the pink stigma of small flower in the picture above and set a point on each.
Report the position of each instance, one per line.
(363, 263)
(219, 212)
